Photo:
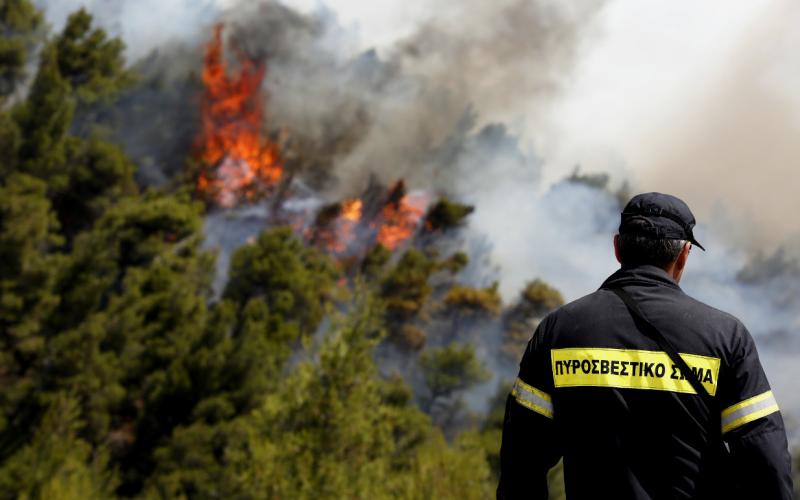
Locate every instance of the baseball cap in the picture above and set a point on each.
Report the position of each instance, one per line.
(658, 216)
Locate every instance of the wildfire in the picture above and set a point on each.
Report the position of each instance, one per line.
(238, 162)
(335, 225)
(351, 210)
(390, 223)
(399, 217)
(348, 220)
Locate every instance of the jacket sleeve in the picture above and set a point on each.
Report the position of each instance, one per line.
(753, 427)
(530, 443)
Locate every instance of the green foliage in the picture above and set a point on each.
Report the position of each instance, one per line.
(536, 299)
(374, 261)
(99, 174)
(446, 214)
(474, 301)
(291, 278)
(19, 16)
(326, 427)
(81, 63)
(405, 288)
(44, 120)
(410, 336)
(133, 313)
(463, 303)
(331, 429)
(451, 368)
(455, 262)
(19, 26)
(492, 428)
(457, 471)
(57, 463)
(27, 276)
(540, 298)
(10, 140)
(90, 61)
(27, 232)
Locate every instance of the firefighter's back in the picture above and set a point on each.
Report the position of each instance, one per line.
(629, 423)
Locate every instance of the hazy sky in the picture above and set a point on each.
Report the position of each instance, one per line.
(701, 99)
(698, 98)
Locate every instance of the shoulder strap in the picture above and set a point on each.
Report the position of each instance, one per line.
(664, 344)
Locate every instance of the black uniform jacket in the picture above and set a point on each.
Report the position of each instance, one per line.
(595, 390)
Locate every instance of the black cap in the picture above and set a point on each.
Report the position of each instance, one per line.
(658, 216)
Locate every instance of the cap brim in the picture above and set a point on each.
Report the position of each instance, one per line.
(695, 242)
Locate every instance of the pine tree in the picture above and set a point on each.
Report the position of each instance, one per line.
(57, 464)
(27, 279)
(98, 174)
(292, 279)
(20, 24)
(451, 369)
(446, 214)
(520, 320)
(44, 120)
(10, 140)
(91, 62)
(462, 302)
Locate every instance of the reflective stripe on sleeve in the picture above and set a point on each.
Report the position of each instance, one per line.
(532, 398)
(748, 410)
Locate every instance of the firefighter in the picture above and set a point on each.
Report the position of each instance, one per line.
(598, 387)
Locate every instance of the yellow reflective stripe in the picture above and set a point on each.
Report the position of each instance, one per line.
(748, 410)
(532, 398)
(533, 390)
(747, 402)
(631, 369)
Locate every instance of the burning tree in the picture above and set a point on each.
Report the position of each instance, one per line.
(238, 161)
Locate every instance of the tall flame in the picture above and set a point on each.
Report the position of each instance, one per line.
(238, 163)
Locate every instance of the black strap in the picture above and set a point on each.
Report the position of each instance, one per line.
(714, 463)
(665, 345)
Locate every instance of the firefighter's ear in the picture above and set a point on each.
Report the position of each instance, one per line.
(680, 262)
(616, 248)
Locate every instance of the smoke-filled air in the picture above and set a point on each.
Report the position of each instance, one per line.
(264, 249)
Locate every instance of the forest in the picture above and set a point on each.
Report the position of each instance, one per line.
(335, 359)
(124, 374)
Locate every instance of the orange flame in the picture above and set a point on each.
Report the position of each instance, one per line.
(400, 218)
(238, 162)
(345, 225)
(351, 215)
(351, 210)
(336, 234)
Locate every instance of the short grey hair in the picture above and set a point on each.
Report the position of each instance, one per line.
(637, 250)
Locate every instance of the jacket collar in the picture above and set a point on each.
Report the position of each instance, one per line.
(640, 275)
